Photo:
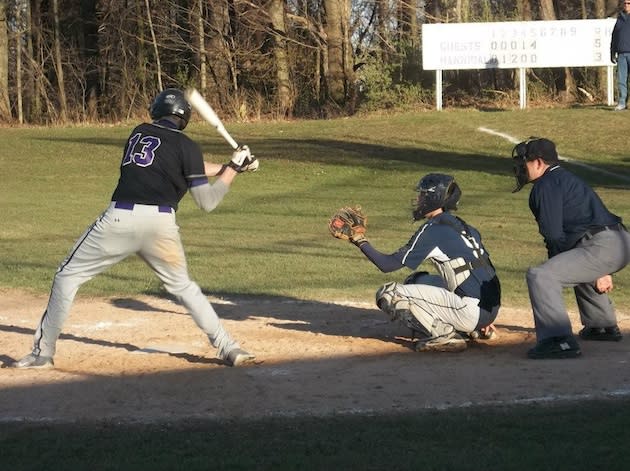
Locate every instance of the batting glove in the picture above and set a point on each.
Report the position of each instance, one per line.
(242, 159)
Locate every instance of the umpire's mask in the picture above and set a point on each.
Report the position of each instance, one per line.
(519, 158)
(531, 149)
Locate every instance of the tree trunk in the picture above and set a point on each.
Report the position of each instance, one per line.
(141, 53)
(18, 66)
(155, 46)
(223, 84)
(284, 98)
(201, 48)
(409, 39)
(335, 37)
(5, 107)
(32, 100)
(381, 30)
(525, 10)
(549, 14)
(40, 98)
(61, 84)
(89, 54)
(348, 55)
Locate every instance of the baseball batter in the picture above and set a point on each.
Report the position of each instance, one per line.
(159, 165)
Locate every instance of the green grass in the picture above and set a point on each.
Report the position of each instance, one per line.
(269, 235)
(576, 436)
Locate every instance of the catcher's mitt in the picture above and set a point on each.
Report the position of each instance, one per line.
(349, 224)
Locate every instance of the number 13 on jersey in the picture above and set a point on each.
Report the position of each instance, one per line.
(141, 150)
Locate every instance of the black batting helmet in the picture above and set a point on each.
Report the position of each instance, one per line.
(171, 102)
(436, 190)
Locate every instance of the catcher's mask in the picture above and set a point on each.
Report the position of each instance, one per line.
(171, 102)
(435, 190)
(527, 151)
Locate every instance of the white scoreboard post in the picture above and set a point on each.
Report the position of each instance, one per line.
(517, 45)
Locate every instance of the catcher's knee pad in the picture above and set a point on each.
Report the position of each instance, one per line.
(390, 300)
(394, 301)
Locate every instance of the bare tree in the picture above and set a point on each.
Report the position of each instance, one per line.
(548, 13)
(220, 60)
(61, 84)
(201, 46)
(5, 107)
(339, 78)
(284, 97)
(19, 33)
(155, 45)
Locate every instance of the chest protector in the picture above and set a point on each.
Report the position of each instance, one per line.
(456, 271)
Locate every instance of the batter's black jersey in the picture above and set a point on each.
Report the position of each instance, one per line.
(159, 164)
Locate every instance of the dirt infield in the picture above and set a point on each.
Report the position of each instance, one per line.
(144, 360)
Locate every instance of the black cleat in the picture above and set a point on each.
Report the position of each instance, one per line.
(610, 334)
(555, 347)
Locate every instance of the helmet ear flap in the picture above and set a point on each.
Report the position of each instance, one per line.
(453, 194)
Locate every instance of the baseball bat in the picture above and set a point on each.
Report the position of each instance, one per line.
(205, 110)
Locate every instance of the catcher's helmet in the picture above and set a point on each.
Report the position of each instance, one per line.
(435, 190)
(528, 150)
(171, 102)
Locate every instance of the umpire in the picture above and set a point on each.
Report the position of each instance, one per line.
(585, 242)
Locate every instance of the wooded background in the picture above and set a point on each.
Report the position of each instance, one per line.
(104, 60)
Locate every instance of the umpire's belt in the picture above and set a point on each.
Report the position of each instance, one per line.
(129, 206)
(613, 227)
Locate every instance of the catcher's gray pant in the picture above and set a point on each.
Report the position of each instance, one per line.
(605, 253)
(153, 234)
(436, 308)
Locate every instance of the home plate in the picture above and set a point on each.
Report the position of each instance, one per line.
(164, 348)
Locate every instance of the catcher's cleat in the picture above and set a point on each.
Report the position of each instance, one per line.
(452, 342)
(34, 361)
(611, 334)
(238, 357)
(483, 334)
(555, 347)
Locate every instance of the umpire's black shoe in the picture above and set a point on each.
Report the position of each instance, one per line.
(611, 334)
(555, 347)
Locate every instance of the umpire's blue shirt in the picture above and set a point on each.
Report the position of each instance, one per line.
(565, 207)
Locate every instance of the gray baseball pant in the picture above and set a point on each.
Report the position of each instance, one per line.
(145, 230)
(605, 253)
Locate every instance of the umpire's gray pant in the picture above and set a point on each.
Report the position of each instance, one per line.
(605, 253)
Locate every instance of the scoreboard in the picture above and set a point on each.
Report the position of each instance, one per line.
(517, 44)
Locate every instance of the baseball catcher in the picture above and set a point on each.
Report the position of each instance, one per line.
(462, 300)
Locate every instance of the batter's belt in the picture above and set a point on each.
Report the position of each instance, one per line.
(130, 206)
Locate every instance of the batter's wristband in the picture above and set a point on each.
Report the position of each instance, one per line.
(237, 168)
(220, 172)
